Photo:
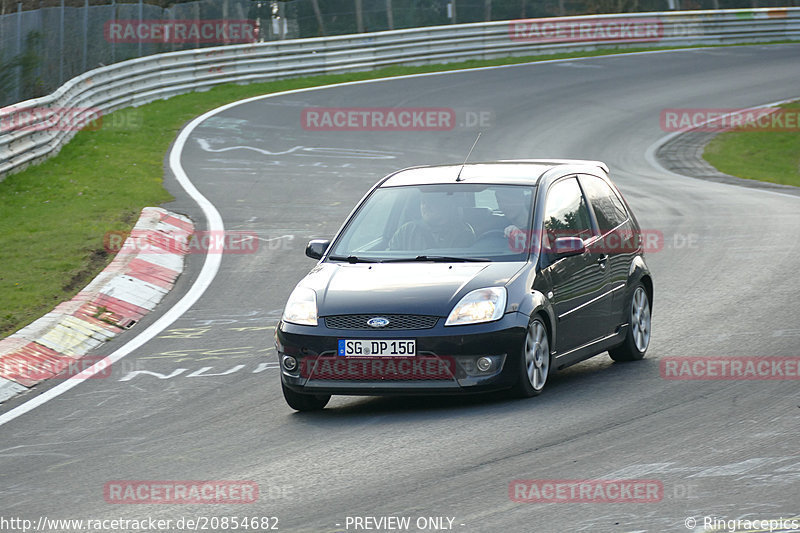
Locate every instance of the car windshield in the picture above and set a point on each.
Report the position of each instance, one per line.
(450, 222)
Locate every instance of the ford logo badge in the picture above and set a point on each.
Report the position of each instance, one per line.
(378, 322)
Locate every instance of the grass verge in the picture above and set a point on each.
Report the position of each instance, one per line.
(772, 156)
(53, 216)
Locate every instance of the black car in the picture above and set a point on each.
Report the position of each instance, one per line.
(467, 278)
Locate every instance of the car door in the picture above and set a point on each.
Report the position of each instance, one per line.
(577, 282)
(618, 239)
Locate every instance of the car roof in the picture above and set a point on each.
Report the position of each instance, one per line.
(511, 172)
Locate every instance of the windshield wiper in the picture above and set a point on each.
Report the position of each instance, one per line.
(438, 259)
(352, 259)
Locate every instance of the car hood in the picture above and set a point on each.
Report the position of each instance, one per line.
(402, 288)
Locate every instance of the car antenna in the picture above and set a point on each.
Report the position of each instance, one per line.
(458, 178)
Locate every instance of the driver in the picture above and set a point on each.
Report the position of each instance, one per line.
(439, 227)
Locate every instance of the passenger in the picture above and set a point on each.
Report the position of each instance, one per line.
(515, 205)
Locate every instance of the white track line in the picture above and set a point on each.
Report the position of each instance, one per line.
(207, 274)
(212, 262)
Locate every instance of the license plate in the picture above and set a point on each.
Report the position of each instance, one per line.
(377, 348)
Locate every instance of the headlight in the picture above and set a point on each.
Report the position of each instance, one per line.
(301, 307)
(482, 305)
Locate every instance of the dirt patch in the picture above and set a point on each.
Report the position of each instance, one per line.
(97, 261)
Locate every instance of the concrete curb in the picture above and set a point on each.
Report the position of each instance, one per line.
(142, 273)
(682, 153)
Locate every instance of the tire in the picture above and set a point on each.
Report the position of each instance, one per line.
(637, 339)
(534, 361)
(304, 402)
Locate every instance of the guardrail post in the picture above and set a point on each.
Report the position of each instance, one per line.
(359, 17)
(141, 14)
(390, 15)
(225, 19)
(113, 20)
(85, 33)
(197, 18)
(61, 47)
(18, 70)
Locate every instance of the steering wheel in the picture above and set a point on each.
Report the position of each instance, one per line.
(491, 233)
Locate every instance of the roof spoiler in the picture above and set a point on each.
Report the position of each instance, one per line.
(588, 162)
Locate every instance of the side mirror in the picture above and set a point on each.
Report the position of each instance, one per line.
(316, 248)
(568, 246)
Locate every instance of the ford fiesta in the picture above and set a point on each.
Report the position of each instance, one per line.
(468, 278)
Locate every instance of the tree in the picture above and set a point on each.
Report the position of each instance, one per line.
(30, 61)
(318, 14)
(27, 64)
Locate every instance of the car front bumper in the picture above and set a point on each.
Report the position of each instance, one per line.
(445, 361)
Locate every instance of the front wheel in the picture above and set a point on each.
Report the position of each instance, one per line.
(638, 337)
(534, 365)
(304, 402)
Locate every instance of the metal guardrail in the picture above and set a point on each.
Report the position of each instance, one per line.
(36, 129)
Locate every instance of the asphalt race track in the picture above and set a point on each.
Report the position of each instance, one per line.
(202, 400)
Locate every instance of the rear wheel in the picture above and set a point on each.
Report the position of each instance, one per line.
(534, 367)
(304, 402)
(638, 337)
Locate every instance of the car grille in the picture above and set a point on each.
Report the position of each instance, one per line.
(395, 321)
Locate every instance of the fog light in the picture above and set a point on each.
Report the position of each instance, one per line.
(289, 363)
(483, 364)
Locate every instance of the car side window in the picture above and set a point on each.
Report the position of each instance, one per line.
(608, 208)
(566, 213)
